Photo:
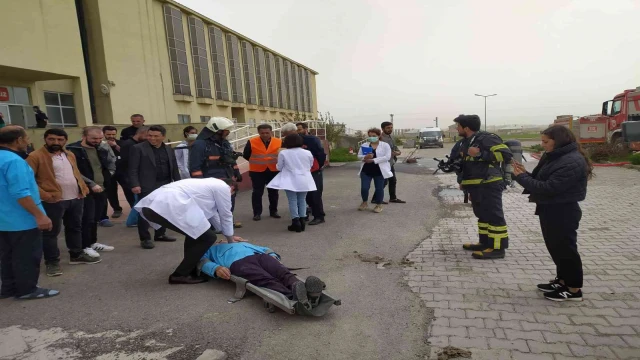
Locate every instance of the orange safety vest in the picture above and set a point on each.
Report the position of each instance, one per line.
(262, 158)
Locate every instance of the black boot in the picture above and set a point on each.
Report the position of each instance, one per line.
(295, 225)
(303, 224)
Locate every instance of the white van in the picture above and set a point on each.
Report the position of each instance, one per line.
(432, 136)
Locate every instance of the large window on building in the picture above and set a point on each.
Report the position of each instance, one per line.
(249, 73)
(60, 109)
(302, 76)
(177, 50)
(216, 43)
(270, 68)
(281, 83)
(184, 118)
(290, 84)
(261, 76)
(309, 95)
(235, 70)
(296, 87)
(199, 56)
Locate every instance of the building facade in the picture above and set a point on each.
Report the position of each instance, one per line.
(89, 61)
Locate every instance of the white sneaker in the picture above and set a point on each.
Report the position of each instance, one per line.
(91, 252)
(102, 247)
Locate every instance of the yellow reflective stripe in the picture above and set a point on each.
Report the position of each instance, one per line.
(482, 228)
(498, 147)
(483, 231)
(483, 225)
(480, 181)
(498, 228)
(263, 162)
(497, 240)
(498, 156)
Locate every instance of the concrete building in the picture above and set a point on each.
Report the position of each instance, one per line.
(99, 61)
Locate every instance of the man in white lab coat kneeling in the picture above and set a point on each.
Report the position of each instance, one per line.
(195, 208)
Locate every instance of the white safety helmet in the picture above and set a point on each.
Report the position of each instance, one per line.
(219, 123)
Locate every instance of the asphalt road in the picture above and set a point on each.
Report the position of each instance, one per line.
(128, 292)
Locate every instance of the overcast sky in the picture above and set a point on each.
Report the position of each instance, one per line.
(419, 59)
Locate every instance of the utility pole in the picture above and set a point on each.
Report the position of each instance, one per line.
(485, 108)
(436, 120)
(391, 118)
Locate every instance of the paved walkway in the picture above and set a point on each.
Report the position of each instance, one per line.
(493, 309)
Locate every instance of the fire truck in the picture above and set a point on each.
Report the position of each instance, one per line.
(606, 127)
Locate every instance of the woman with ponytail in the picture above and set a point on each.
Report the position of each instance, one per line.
(556, 185)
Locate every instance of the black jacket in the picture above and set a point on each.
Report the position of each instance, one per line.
(560, 177)
(142, 166)
(314, 145)
(84, 166)
(484, 168)
(122, 164)
(128, 133)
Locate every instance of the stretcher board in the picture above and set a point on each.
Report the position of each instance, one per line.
(273, 299)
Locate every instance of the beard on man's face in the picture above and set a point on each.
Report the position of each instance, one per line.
(53, 148)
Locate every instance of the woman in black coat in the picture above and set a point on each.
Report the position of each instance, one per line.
(556, 185)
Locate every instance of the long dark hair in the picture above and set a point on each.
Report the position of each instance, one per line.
(563, 137)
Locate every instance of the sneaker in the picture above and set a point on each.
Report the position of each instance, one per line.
(116, 214)
(105, 223)
(237, 225)
(102, 247)
(552, 285)
(563, 294)
(83, 258)
(314, 286)
(54, 270)
(40, 293)
(489, 254)
(377, 209)
(300, 294)
(364, 206)
(91, 252)
(147, 244)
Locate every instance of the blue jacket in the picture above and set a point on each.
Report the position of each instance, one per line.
(17, 180)
(226, 254)
(314, 145)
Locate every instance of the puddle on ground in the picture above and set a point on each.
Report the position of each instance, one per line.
(450, 192)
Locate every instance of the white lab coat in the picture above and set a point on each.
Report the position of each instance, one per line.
(182, 158)
(383, 156)
(192, 205)
(295, 171)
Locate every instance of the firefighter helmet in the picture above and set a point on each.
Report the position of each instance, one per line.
(219, 124)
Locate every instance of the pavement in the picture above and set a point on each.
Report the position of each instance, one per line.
(492, 310)
(123, 307)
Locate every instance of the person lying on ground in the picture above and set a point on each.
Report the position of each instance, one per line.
(194, 208)
(261, 266)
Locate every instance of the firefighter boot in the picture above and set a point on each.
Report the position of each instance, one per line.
(489, 254)
(474, 247)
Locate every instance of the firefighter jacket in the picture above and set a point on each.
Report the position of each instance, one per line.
(263, 157)
(212, 157)
(485, 167)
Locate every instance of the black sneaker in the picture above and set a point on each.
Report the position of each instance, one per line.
(563, 294)
(552, 285)
(54, 270)
(300, 294)
(147, 244)
(314, 286)
(83, 258)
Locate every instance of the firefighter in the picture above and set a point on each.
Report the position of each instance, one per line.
(482, 154)
(211, 155)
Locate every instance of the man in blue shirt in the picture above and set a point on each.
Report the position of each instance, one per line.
(22, 219)
(261, 266)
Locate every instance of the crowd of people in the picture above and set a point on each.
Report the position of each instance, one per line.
(191, 190)
(71, 185)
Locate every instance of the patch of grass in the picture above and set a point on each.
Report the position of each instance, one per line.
(342, 155)
(604, 153)
(635, 159)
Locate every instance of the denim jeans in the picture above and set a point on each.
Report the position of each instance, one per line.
(297, 203)
(365, 185)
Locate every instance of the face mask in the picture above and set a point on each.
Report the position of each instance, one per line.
(373, 139)
(53, 148)
(192, 137)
